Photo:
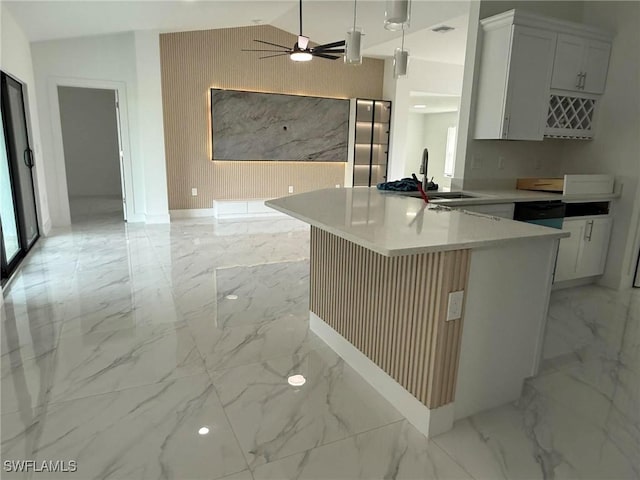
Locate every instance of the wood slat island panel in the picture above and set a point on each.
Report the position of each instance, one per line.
(393, 309)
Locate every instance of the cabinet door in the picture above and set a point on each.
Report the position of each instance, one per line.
(568, 63)
(569, 251)
(596, 65)
(530, 69)
(594, 249)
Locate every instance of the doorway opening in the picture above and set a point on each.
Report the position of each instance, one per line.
(93, 154)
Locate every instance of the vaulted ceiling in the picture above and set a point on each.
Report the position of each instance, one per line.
(323, 20)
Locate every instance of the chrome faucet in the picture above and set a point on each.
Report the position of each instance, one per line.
(423, 169)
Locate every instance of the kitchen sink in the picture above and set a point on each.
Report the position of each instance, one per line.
(448, 195)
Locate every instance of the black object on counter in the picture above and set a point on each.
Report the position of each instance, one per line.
(403, 185)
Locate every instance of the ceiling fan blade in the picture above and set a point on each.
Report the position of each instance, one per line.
(276, 55)
(322, 55)
(259, 50)
(341, 43)
(339, 50)
(274, 44)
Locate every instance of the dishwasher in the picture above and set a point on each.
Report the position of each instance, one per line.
(548, 213)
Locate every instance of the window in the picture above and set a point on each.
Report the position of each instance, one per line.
(450, 152)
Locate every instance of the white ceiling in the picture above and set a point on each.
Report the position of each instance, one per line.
(433, 103)
(426, 44)
(323, 20)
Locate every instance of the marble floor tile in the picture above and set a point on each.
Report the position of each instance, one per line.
(228, 347)
(119, 341)
(144, 432)
(395, 451)
(25, 382)
(31, 332)
(244, 475)
(101, 362)
(536, 438)
(273, 419)
(19, 435)
(262, 293)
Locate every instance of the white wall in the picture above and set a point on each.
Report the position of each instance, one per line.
(616, 146)
(436, 127)
(151, 127)
(15, 59)
(415, 144)
(90, 138)
(422, 76)
(109, 61)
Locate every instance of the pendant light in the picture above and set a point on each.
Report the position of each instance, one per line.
(396, 14)
(400, 60)
(352, 53)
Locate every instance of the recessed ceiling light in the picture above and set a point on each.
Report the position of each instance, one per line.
(419, 106)
(203, 431)
(442, 29)
(231, 297)
(296, 380)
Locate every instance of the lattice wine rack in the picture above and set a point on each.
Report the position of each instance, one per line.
(570, 117)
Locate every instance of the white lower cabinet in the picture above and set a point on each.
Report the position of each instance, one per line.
(584, 253)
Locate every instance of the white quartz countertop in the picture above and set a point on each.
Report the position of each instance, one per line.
(487, 197)
(394, 225)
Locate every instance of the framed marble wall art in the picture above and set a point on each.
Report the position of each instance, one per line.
(277, 127)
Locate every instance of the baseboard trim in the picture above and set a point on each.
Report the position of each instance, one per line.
(428, 421)
(192, 213)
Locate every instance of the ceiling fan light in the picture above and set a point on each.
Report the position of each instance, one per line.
(353, 53)
(299, 56)
(397, 14)
(400, 62)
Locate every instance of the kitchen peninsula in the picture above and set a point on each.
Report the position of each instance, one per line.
(442, 311)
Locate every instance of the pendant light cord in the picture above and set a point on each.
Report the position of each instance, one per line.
(402, 48)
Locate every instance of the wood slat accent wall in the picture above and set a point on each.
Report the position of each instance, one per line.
(393, 309)
(194, 62)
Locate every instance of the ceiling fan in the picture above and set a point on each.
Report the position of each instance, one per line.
(301, 52)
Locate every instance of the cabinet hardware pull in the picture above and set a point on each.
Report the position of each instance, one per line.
(583, 78)
(587, 236)
(578, 80)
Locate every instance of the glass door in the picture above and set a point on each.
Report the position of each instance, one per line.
(18, 208)
(8, 221)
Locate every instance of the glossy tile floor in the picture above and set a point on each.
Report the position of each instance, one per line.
(120, 342)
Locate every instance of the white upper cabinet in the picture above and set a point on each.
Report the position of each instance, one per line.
(596, 66)
(514, 83)
(538, 77)
(580, 64)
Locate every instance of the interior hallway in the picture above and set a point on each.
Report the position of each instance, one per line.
(121, 341)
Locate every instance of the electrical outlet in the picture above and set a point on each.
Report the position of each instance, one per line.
(500, 163)
(194, 192)
(337, 185)
(290, 188)
(454, 309)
